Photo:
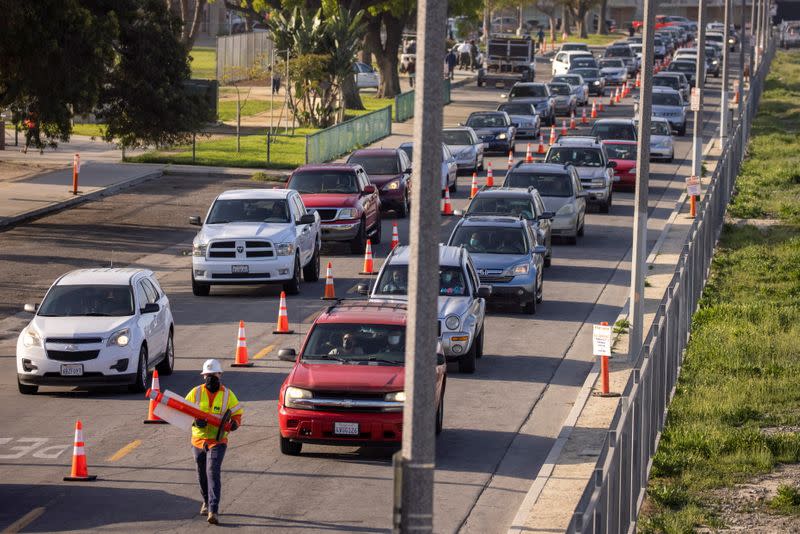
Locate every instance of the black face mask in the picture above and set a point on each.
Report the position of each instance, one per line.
(212, 383)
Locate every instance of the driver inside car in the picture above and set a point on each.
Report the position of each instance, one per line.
(449, 284)
(348, 348)
(397, 284)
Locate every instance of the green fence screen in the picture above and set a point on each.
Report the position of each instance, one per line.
(332, 142)
(404, 103)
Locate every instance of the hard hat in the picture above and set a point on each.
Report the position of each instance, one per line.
(211, 366)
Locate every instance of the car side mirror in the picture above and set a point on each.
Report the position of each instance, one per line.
(611, 164)
(484, 291)
(540, 249)
(547, 215)
(363, 289)
(407, 171)
(440, 359)
(194, 220)
(150, 307)
(31, 308)
(461, 124)
(369, 189)
(308, 218)
(287, 355)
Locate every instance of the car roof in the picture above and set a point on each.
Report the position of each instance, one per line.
(458, 129)
(260, 193)
(101, 276)
(448, 255)
(364, 312)
(500, 221)
(528, 84)
(586, 141)
(328, 167)
(480, 113)
(548, 168)
(374, 152)
(504, 192)
(618, 142)
(667, 90)
(614, 121)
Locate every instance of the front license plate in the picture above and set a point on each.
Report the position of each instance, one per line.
(240, 269)
(72, 369)
(345, 429)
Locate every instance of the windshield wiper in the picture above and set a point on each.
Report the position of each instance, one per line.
(97, 314)
(375, 359)
(328, 357)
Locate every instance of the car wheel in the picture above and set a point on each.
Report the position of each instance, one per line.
(141, 373)
(548, 259)
(605, 207)
(669, 159)
(540, 293)
(27, 389)
(466, 364)
(581, 229)
(530, 308)
(311, 271)
(479, 345)
(358, 244)
(377, 233)
(292, 287)
(289, 447)
(200, 290)
(167, 365)
(402, 209)
(440, 416)
(454, 187)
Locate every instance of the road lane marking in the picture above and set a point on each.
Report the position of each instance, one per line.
(24, 521)
(263, 352)
(124, 451)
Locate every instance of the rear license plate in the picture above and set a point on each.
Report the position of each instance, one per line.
(240, 269)
(72, 369)
(345, 429)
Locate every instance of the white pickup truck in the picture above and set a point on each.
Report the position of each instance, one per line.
(256, 236)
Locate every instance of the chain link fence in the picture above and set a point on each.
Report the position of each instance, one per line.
(332, 142)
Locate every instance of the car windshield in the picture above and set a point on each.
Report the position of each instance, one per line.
(456, 137)
(682, 66)
(517, 109)
(572, 80)
(250, 210)
(394, 281)
(580, 62)
(548, 185)
(666, 81)
(377, 164)
(324, 182)
(487, 121)
(612, 63)
(580, 157)
(409, 150)
(566, 47)
(619, 51)
(625, 132)
(88, 301)
(618, 151)
(528, 91)
(494, 205)
(660, 128)
(587, 73)
(490, 240)
(666, 99)
(559, 89)
(354, 343)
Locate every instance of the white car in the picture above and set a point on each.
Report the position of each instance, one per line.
(366, 77)
(661, 143)
(564, 61)
(97, 327)
(256, 236)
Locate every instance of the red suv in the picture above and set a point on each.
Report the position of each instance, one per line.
(348, 204)
(347, 383)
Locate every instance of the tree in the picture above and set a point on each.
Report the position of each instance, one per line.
(602, 27)
(190, 18)
(387, 21)
(578, 10)
(231, 77)
(345, 33)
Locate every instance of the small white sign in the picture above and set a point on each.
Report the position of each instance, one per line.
(694, 99)
(601, 340)
(693, 186)
(76, 162)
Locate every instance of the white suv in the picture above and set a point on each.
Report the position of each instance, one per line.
(97, 327)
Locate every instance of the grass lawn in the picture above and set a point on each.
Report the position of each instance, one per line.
(371, 103)
(226, 109)
(204, 62)
(741, 374)
(94, 130)
(595, 40)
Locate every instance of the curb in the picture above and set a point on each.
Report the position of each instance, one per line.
(462, 83)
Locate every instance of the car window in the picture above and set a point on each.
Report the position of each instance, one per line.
(666, 81)
(310, 182)
(666, 99)
(561, 57)
(660, 128)
(487, 121)
(578, 156)
(588, 73)
(141, 295)
(394, 281)
(409, 151)
(539, 205)
(457, 137)
(249, 210)
(473, 275)
(619, 151)
(297, 208)
(375, 164)
(517, 109)
(619, 51)
(576, 181)
(89, 301)
(606, 130)
(559, 89)
(363, 179)
(548, 184)
(494, 205)
(405, 162)
(611, 63)
(356, 343)
(491, 239)
(523, 91)
(152, 293)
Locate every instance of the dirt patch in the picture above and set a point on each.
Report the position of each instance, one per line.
(10, 172)
(761, 224)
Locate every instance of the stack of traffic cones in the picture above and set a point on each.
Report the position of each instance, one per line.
(489, 176)
(552, 135)
(395, 237)
(584, 120)
(80, 471)
(241, 349)
(473, 190)
(330, 293)
(368, 263)
(447, 207)
(283, 317)
(572, 125)
(152, 418)
(540, 150)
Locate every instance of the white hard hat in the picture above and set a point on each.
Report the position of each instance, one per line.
(211, 366)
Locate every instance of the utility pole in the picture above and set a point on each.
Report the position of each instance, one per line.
(723, 103)
(742, 45)
(699, 83)
(419, 425)
(639, 258)
(757, 42)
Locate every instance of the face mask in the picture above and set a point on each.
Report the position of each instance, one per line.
(394, 340)
(212, 383)
(473, 242)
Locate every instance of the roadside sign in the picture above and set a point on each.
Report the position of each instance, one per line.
(694, 99)
(693, 186)
(601, 340)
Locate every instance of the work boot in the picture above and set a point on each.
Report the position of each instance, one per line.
(204, 509)
(212, 518)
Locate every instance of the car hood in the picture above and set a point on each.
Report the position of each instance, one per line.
(523, 119)
(590, 172)
(382, 179)
(330, 200)
(655, 139)
(555, 203)
(78, 326)
(497, 261)
(623, 165)
(348, 377)
(491, 131)
(237, 230)
(447, 305)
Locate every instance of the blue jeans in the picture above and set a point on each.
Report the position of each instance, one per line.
(209, 465)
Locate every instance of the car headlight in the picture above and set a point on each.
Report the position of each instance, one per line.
(120, 338)
(522, 268)
(715, 62)
(293, 394)
(396, 396)
(31, 338)
(199, 249)
(596, 82)
(731, 41)
(394, 184)
(285, 249)
(501, 136)
(566, 209)
(452, 322)
(348, 213)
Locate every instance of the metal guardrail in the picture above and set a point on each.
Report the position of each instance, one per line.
(612, 498)
(404, 103)
(332, 142)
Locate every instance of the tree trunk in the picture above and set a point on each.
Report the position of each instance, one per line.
(566, 21)
(580, 23)
(184, 18)
(386, 54)
(199, 7)
(552, 20)
(602, 29)
(350, 94)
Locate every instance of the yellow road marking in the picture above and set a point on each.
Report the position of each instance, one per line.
(263, 352)
(24, 521)
(124, 450)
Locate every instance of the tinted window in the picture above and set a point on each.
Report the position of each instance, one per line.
(666, 99)
(572, 80)
(487, 121)
(491, 239)
(559, 89)
(666, 81)
(660, 128)
(394, 281)
(528, 91)
(682, 66)
(324, 182)
(548, 185)
(89, 301)
(409, 150)
(580, 157)
(150, 291)
(376, 164)
(624, 132)
(490, 204)
(616, 151)
(587, 73)
(356, 343)
(611, 63)
(457, 137)
(518, 109)
(619, 51)
(583, 62)
(249, 210)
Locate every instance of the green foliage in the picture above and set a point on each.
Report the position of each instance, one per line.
(787, 499)
(203, 61)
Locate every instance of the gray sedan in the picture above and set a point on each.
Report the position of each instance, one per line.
(465, 146)
(564, 101)
(578, 85)
(524, 117)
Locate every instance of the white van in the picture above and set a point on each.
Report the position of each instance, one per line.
(562, 63)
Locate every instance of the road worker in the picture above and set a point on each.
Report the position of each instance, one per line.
(214, 398)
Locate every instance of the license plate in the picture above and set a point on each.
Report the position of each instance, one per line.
(240, 269)
(345, 429)
(72, 369)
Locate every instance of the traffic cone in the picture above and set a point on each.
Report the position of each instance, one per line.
(152, 418)
(241, 349)
(528, 156)
(330, 294)
(447, 208)
(474, 189)
(617, 96)
(600, 108)
(610, 99)
(510, 159)
(540, 150)
(563, 126)
(368, 266)
(489, 176)
(395, 238)
(80, 471)
(572, 125)
(283, 317)
(584, 120)
(638, 80)
(552, 134)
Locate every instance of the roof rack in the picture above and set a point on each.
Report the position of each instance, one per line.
(365, 303)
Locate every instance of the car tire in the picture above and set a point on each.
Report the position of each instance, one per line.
(605, 207)
(466, 364)
(27, 389)
(140, 386)
(289, 447)
(548, 259)
(581, 229)
(669, 159)
(292, 287)
(682, 130)
(440, 416)
(359, 243)
(200, 290)
(377, 233)
(311, 271)
(167, 365)
(479, 345)
(530, 308)
(540, 293)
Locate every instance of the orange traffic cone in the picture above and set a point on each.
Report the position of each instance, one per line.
(283, 317)
(564, 127)
(395, 238)
(610, 99)
(552, 134)
(152, 418)
(638, 80)
(241, 349)
(330, 294)
(584, 120)
(540, 150)
(572, 125)
(617, 96)
(368, 267)
(510, 159)
(600, 108)
(473, 190)
(447, 208)
(80, 471)
(528, 156)
(489, 176)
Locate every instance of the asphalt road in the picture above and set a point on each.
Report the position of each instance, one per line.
(499, 423)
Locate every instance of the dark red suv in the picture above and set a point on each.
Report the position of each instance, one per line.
(347, 383)
(348, 204)
(390, 170)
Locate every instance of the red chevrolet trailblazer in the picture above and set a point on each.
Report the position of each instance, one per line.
(623, 153)
(347, 383)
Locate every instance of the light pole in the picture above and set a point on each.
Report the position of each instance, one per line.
(699, 83)
(724, 112)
